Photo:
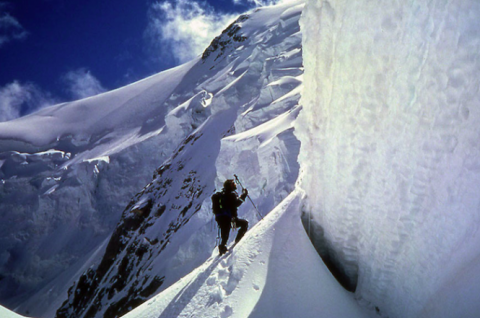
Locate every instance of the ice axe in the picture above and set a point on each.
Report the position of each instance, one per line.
(238, 181)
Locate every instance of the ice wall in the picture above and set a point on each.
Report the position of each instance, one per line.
(390, 154)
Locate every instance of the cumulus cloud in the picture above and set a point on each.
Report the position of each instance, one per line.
(17, 99)
(81, 84)
(10, 28)
(183, 29)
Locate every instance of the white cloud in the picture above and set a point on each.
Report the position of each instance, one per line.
(258, 3)
(10, 28)
(81, 84)
(18, 99)
(184, 29)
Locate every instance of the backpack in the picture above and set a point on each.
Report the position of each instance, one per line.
(217, 207)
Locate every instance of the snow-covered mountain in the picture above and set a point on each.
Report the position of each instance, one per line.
(378, 169)
(229, 111)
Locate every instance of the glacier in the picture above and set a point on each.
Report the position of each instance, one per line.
(354, 126)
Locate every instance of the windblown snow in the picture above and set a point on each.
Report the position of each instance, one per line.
(367, 185)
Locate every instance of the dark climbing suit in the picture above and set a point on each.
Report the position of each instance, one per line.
(230, 203)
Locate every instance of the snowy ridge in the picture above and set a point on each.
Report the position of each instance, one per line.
(87, 122)
(261, 277)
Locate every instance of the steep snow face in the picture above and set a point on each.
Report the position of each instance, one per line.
(250, 86)
(389, 150)
(273, 272)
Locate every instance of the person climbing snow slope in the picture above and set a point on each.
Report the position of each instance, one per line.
(225, 205)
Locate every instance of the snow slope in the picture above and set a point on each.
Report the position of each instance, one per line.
(229, 111)
(5, 313)
(63, 188)
(273, 272)
(390, 150)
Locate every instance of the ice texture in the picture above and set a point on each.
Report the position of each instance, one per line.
(390, 152)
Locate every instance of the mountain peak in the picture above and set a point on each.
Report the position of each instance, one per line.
(230, 38)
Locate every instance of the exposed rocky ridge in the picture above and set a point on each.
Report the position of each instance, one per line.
(230, 37)
(130, 253)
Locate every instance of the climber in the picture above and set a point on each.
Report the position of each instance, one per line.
(225, 205)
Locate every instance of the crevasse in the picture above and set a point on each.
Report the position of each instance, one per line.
(390, 151)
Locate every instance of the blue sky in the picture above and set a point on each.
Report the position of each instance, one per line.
(53, 51)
